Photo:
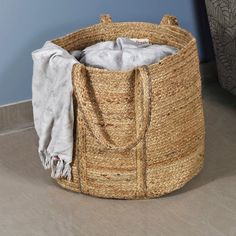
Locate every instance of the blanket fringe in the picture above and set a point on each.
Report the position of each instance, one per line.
(59, 168)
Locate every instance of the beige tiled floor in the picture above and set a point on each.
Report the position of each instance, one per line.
(31, 204)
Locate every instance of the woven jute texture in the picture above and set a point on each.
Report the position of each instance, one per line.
(139, 133)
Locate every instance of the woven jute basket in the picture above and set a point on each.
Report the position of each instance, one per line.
(139, 133)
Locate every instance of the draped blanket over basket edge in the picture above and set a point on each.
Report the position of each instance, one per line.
(53, 107)
(139, 134)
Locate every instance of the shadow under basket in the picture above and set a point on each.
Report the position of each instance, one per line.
(140, 133)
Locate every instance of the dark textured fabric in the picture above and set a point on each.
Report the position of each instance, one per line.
(222, 19)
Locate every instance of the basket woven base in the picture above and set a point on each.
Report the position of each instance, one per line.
(192, 166)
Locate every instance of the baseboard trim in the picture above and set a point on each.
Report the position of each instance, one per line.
(19, 115)
(16, 116)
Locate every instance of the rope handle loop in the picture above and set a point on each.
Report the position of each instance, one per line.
(169, 20)
(105, 18)
(90, 111)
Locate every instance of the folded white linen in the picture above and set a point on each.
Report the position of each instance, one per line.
(53, 107)
(123, 54)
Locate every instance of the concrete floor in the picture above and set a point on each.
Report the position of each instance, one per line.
(31, 204)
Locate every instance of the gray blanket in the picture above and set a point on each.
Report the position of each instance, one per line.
(123, 54)
(53, 107)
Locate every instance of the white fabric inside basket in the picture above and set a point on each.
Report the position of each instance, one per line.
(123, 54)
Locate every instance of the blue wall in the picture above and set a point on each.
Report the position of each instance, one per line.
(26, 24)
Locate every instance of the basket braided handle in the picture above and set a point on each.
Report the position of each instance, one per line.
(105, 18)
(169, 20)
(94, 124)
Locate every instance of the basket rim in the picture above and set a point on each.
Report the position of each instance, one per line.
(151, 66)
